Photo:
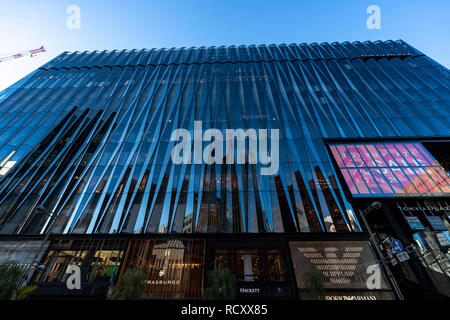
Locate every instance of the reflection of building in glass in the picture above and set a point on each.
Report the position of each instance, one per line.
(21, 252)
(99, 262)
(173, 268)
(85, 154)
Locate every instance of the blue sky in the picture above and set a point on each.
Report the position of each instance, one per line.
(119, 24)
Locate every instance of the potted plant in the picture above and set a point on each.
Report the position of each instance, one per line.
(10, 276)
(314, 284)
(222, 284)
(130, 286)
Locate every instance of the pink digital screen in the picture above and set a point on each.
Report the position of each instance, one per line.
(390, 169)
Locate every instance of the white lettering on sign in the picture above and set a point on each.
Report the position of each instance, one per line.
(437, 207)
(402, 256)
(350, 298)
(249, 290)
(169, 282)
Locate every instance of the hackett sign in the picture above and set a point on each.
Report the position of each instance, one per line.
(249, 290)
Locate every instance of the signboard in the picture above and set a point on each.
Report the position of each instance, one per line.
(443, 241)
(423, 206)
(250, 290)
(391, 256)
(414, 223)
(355, 295)
(397, 246)
(342, 265)
(402, 256)
(390, 170)
(436, 223)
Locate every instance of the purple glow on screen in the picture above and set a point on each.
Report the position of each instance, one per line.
(355, 156)
(366, 156)
(381, 180)
(390, 169)
(417, 155)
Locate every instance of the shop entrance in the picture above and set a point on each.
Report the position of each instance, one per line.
(421, 225)
(260, 267)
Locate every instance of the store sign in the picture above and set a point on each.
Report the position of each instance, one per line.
(246, 290)
(436, 207)
(436, 223)
(163, 282)
(342, 265)
(390, 170)
(414, 223)
(350, 297)
(402, 256)
(360, 295)
(443, 241)
(250, 290)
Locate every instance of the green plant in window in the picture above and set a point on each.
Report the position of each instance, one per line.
(22, 292)
(10, 276)
(222, 284)
(314, 284)
(130, 286)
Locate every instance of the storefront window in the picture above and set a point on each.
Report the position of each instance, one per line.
(343, 267)
(430, 250)
(99, 261)
(173, 268)
(253, 265)
(428, 222)
(21, 252)
(105, 265)
(57, 262)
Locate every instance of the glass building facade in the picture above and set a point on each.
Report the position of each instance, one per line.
(86, 148)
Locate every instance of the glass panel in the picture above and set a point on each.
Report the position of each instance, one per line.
(257, 265)
(341, 266)
(404, 169)
(173, 268)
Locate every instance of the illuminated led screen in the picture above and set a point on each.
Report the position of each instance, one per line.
(390, 169)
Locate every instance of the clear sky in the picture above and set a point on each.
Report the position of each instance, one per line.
(136, 24)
